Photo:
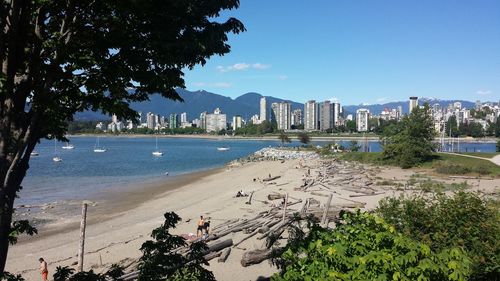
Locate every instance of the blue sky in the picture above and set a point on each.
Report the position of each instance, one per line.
(359, 51)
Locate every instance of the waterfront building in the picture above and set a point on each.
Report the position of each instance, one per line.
(263, 109)
(362, 116)
(203, 120)
(184, 117)
(297, 117)
(237, 121)
(173, 121)
(325, 116)
(282, 114)
(311, 116)
(150, 120)
(215, 122)
(255, 119)
(413, 104)
(337, 114)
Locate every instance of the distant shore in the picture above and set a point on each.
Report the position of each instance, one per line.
(275, 137)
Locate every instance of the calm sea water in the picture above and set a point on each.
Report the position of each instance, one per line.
(84, 174)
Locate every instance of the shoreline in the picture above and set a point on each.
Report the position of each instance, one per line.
(114, 202)
(275, 138)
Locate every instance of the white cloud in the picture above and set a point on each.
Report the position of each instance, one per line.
(260, 66)
(282, 77)
(333, 99)
(484, 92)
(241, 66)
(213, 85)
(382, 99)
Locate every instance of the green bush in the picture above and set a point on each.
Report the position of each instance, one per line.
(464, 220)
(366, 248)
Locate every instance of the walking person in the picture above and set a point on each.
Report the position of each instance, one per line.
(43, 269)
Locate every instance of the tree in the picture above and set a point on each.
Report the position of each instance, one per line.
(63, 57)
(410, 142)
(304, 138)
(452, 127)
(160, 261)
(351, 126)
(284, 138)
(498, 146)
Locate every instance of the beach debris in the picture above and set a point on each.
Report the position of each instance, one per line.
(224, 255)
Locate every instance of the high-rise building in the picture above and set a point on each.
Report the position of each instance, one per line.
(184, 117)
(337, 113)
(282, 114)
(150, 120)
(263, 109)
(296, 117)
(311, 116)
(478, 105)
(362, 116)
(325, 116)
(173, 121)
(203, 120)
(400, 112)
(236, 122)
(215, 122)
(413, 104)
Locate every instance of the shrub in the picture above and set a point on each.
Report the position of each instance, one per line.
(464, 220)
(366, 248)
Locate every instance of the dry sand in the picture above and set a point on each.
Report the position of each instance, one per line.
(114, 235)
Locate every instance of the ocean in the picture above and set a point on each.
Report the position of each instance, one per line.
(128, 162)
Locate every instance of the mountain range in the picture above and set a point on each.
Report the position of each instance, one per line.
(245, 105)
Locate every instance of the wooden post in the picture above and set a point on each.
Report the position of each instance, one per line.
(325, 213)
(81, 249)
(284, 208)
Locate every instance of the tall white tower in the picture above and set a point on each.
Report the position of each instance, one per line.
(263, 112)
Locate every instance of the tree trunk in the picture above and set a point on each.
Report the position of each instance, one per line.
(7, 204)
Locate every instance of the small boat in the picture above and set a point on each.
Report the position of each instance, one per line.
(222, 148)
(34, 153)
(157, 152)
(57, 159)
(97, 148)
(68, 146)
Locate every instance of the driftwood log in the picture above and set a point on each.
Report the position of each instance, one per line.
(255, 257)
(224, 255)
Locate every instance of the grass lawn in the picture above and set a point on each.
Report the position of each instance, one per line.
(442, 163)
(482, 154)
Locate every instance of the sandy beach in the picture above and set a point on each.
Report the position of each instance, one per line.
(116, 231)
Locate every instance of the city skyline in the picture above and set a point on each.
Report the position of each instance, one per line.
(359, 52)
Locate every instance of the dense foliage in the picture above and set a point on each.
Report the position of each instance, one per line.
(464, 220)
(365, 247)
(160, 262)
(63, 57)
(410, 142)
(64, 273)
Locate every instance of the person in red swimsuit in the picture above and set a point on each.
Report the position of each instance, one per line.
(43, 269)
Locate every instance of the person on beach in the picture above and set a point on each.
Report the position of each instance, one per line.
(43, 269)
(201, 224)
(206, 227)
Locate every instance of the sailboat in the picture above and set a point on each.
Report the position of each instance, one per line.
(68, 146)
(97, 148)
(56, 158)
(157, 152)
(224, 148)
